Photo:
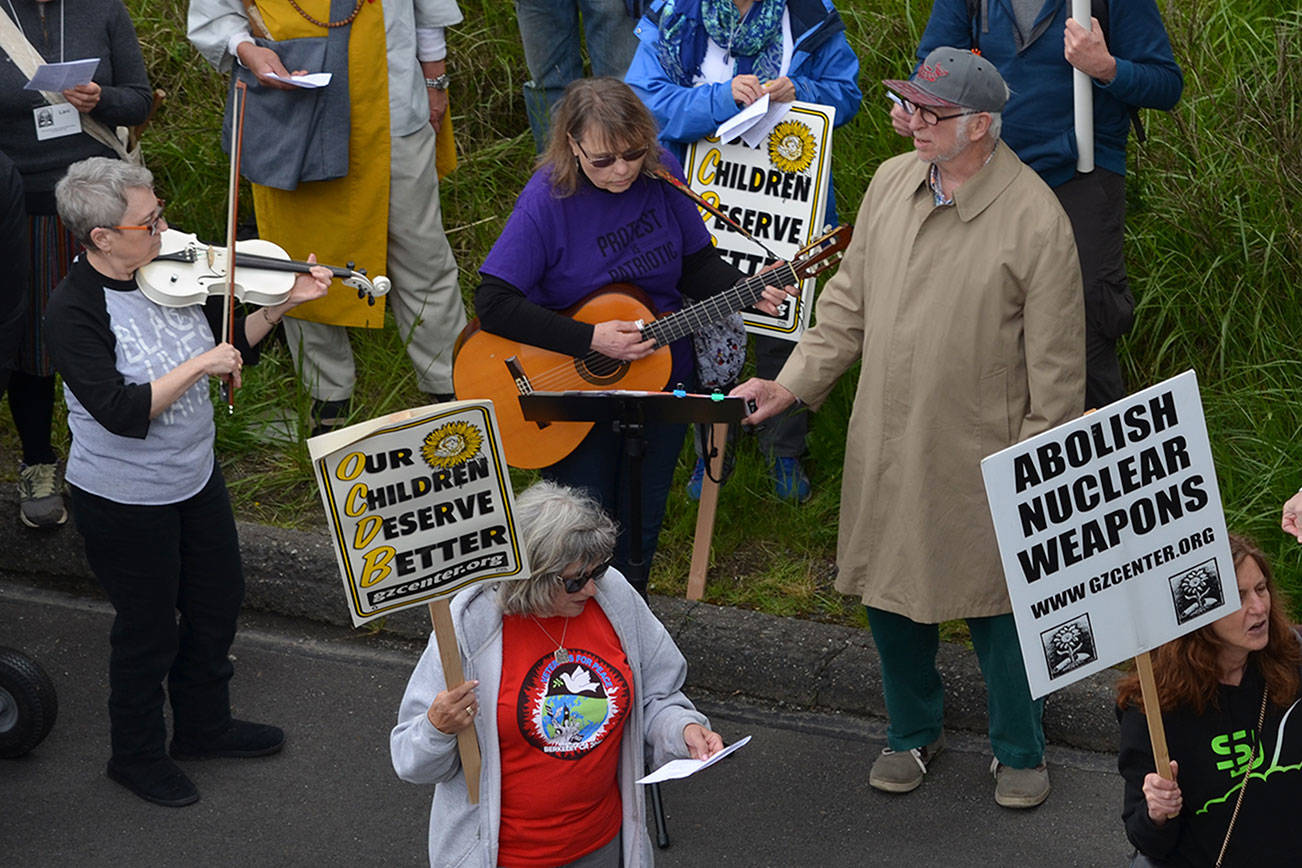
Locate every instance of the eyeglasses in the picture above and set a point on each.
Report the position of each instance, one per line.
(576, 584)
(605, 161)
(928, 115)
(152, 226)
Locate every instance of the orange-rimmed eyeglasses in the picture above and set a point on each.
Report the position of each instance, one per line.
(152, 227)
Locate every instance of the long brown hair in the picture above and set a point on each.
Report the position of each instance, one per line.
(605, 104)
(1186, 668)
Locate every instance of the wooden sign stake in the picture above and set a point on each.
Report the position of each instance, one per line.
(1153, 712)
(705, 515)
(440, 615)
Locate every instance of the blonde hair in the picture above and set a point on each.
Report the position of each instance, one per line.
(605, 104)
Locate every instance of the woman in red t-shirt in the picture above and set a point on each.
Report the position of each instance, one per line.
(577, 677)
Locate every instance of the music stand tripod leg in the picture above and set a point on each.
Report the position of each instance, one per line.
(634, 436)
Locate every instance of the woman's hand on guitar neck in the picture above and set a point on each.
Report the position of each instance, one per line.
(773, 297)
(621, 339)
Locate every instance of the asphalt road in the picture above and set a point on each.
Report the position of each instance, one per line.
(796, 796)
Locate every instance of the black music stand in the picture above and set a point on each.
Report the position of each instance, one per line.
(630, 413)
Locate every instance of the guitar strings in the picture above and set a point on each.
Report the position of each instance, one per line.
(667, 329)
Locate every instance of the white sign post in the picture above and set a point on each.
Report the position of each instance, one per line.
(1111, 533)
(420, 507)
(1083, 98)
(777, 192)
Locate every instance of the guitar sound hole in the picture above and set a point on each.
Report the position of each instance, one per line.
(600, 370)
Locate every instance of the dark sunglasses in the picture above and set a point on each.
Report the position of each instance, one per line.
(576, 584)
(605, 161)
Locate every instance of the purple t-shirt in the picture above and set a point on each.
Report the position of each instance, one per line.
(558, 251)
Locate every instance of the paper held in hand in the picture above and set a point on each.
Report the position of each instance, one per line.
(682, 768)
(1111, 533)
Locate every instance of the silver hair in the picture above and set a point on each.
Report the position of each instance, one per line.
(560, 527)
(992, 134)
(94, 194)
(996, 126)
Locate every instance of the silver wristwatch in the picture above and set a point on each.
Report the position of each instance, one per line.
(439, 83)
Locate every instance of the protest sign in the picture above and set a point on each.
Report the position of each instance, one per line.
(777, 192)
(419, 505)
(1111, 533)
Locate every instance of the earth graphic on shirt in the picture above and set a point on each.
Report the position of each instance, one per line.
(567, 709)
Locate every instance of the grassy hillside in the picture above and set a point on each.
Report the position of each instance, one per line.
(1214, 237)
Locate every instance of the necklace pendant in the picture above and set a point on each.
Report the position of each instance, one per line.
(560, 655)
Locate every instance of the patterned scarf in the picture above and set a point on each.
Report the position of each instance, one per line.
(754, 42)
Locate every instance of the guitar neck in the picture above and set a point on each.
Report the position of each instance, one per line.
(742, 294)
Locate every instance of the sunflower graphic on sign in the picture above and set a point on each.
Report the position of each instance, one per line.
(451, 444)
(791, 146)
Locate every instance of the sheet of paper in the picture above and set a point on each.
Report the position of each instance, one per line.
(742, 120)
(310, 80)
(62, 76)
(681, 768)
(758, 132)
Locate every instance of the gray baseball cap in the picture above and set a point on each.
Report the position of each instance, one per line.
(954, 78)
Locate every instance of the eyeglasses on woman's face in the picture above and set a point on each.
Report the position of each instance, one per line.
(575, 584)
(155, 225)
(605, 161)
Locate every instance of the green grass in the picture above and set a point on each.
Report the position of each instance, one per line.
(1214, 250)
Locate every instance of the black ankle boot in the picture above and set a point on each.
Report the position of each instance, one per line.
(240, 739)
(329, 415)
(157, 780)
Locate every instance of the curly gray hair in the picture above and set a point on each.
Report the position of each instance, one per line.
(560, 527)
(94, 194)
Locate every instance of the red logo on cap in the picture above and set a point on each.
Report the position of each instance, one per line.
(931, 73)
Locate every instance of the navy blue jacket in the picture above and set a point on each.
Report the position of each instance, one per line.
(1038, 121)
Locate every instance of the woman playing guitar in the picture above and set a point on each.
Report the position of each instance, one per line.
(593, 214)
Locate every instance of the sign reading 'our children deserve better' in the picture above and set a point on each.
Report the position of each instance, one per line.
(419, 506)
(777, 192)
(1111, 533)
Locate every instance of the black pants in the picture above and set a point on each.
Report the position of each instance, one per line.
(153, 562)
(1096, 205)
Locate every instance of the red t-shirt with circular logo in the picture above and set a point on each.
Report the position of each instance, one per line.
(559, 727)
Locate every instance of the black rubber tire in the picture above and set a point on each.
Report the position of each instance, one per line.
(28, 704)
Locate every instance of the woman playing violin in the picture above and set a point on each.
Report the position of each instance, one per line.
(594, 214)
(146, 492)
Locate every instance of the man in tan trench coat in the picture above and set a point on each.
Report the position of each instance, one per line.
(961, 293)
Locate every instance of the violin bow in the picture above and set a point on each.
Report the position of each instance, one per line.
(668, 177)
(232, 222)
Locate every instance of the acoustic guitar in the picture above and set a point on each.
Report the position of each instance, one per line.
(486, 365)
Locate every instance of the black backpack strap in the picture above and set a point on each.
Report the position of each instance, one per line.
(980, 22)
(1099, 9)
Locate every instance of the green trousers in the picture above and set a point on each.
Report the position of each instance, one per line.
(915, 697)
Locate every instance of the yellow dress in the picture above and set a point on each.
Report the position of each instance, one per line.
(344, 220)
